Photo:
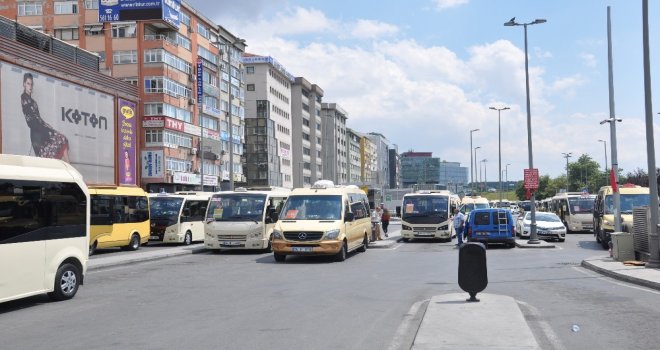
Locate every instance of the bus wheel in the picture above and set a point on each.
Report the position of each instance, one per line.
(67, 281)
(279, 257)
(187, 239)
(365, 244)
(343, 252)
(134, 243)
(92, 248)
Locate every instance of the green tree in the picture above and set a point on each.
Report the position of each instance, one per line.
(584, 173)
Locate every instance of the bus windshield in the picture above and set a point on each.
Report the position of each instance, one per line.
(628, 202)
(581, 205)
(165, 208)
(433, 206)
(312, 208)
(237, 207)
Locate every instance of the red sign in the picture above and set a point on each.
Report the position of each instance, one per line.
(531, 179)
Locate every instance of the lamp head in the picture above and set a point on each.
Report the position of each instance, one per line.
(511, 22)
(493, 108)
(604, 121)
(539, 21)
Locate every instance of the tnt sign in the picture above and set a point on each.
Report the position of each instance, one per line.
(531, 181)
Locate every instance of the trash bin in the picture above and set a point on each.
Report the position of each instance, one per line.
(622, 246)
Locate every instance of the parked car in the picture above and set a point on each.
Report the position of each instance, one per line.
(492, 225)
(548, 226)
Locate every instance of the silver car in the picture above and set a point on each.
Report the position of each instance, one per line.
(548, 226)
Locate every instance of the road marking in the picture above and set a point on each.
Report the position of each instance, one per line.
(613, 281)
(404, 337)
(544, 326)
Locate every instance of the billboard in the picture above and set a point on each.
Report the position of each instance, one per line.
(127, 136)
(46, 117)
(153, 164)
(134, 10)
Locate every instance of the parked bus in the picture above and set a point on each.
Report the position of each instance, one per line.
(119, 217)
(469, 203)
(575, 209)
(44, 228)
(178, 217)
(427, 215)
(631, 196)
(243, 219)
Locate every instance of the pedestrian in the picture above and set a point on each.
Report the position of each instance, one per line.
(385, 220)
(375, 224)
(459, 223)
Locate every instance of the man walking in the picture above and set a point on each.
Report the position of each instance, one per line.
(459, 223)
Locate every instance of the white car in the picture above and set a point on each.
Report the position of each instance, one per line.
(548, 226)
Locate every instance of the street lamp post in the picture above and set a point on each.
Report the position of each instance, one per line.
(499, 142)
(615, 169)
(533, 237)
(567, 155)
(471, 167)
(506, 171)
(484, 185)
(604, 149)
(475, 164)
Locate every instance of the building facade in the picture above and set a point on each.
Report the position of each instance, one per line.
(182, 110)
(353, 159)
(335, 147)
(382, 174)
(268, 117)
(307, 138)
(394, 163)
(420, 169)
(368, 161)
(453, 176)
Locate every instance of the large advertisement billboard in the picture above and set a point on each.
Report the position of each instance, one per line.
(46, 117)
(127, 135)
(133, 10)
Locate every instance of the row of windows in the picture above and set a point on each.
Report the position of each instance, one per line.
(67, 34)
(161, 84)
(279, 95)
(30, 9)
(66, 7)
(183, 42)
(207, 55)
(106, 209)
(174, 164)
(161, 55)
(280, 111)
(168, 110)
(276, 75)
(124, 30)
(285, 145)
(124, 57)
(286, 162)
(168, 138)
(283, 129)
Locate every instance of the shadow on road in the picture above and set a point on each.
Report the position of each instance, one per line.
(591, 245)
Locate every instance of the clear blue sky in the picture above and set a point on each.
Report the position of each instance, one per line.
(424, 72)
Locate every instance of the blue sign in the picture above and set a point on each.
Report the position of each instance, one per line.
(200, 80)
(136, 10)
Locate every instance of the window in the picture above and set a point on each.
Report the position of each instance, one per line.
(162, 56)
(124, 57)
(66, 7)
(180, 140)
(30, 9)
(165, 85)
(174, 164)
(249, 69)
(202, 30)
(126, 30)
(207, 55)
(210, 123)
(164, 109)
(67, 33)
(183, 41)
(184, 18)
(250, 87)
(93, 30)
(153, 136)
(92, 4)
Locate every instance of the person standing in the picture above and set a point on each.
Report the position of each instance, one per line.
(459, 224)
(385, 220)
(375, 224)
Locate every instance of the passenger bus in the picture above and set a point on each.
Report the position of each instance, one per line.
(427, 215)
(243, 219)
(469, 203)
(575, 209)
(119, 217)
(631, 196)
(178, 217)
(44, 228)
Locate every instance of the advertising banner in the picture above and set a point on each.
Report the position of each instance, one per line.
(132, 10)
(153, 164)
(200, 81)
(127, 136)
(46, 117)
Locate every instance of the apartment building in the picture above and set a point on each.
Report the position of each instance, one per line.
(353, 157)
(183, 126)
(382, 175)
(368, 161)
(394, 161)
(307, 138)
(335, 147)
(268, 122)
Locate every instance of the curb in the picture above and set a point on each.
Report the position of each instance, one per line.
(621, 277)
(142, 258)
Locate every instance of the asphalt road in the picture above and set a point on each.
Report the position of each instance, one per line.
(245, 300)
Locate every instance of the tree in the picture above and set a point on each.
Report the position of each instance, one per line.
(583, 173)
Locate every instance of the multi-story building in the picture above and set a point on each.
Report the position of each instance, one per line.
(453, 175)
(394, 161)
(382, 159)
(268, 122)
(183, 129)
(306, 127)
(353, 156)
(420, 169)
(335, 147)
(368, 161)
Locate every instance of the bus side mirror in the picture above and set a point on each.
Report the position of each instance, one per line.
(348, 217)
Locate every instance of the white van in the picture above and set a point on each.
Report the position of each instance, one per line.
(44, 228)
(323, 220)
(178, 217)
(243, 219)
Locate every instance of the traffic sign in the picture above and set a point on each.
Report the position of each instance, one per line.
(531, 179)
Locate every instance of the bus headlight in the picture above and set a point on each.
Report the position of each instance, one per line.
(277, 234)
(406, 227)
(444, 227)
(332, 234)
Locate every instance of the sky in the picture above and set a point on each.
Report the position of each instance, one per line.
(425, 72)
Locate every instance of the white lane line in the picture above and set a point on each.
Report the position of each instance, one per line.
(544, 326)
(613, 281)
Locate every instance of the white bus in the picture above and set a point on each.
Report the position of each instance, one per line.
(44, 228)
(242, 219)
(178, 217)
(427, 215)
(575, 209)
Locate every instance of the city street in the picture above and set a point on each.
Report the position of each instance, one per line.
(244, 300)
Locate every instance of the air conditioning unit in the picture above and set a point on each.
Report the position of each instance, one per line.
(191, 101)
(193, 151)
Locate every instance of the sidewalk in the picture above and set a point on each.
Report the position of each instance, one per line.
(142, 255)
(639, 275)
(394, 233)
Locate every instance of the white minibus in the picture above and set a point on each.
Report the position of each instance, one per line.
(44, 228)
(178, 217)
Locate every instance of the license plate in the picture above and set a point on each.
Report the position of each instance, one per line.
(482, 233)
(301, 249)
(231, 243)
(424, 234)
(154, 237)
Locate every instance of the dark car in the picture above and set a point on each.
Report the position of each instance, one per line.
(492, 225)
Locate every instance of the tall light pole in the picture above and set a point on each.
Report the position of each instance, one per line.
(533, 237)
(604, 149)
(475, 164)
(471, 167)
(499, 142)
(567, 155)
(615, 170)
(229, 112)
(506, 171)
(485, 184)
